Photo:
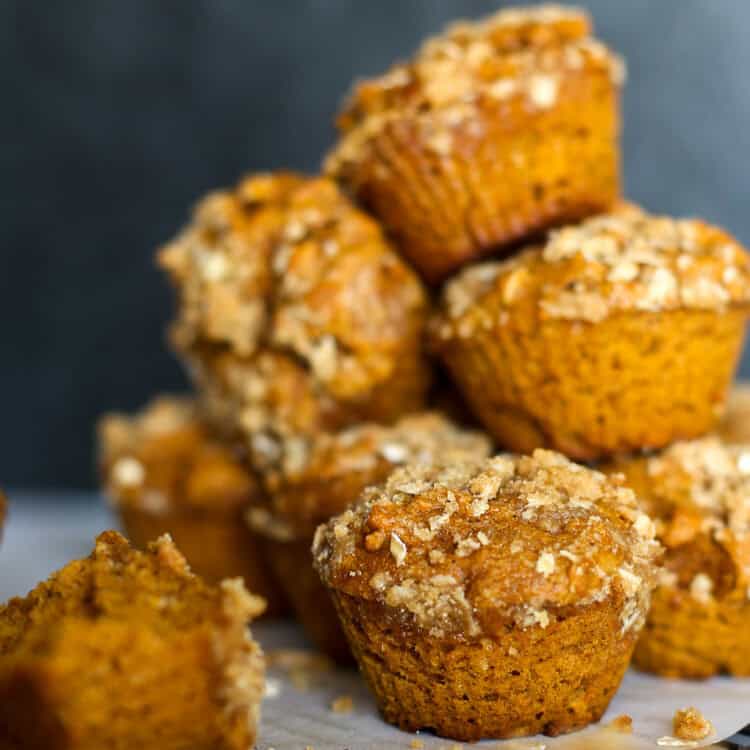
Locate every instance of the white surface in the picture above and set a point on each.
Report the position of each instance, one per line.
(44, 533)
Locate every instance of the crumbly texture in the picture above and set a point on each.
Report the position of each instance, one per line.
(487, 571)
(87, 655)
(691, 724)
(735, 424)
(286, 281)
(567, 345)
(698, 492)
(492, 132)
(165, 472)
(318, 478)
(322, 479)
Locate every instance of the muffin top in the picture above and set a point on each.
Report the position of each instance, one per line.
(698, 493)
(516, 57)
(288, 264)
(623, 261)
(153, 590)
(465, 549)
(163, 459)
(735, 424)
(312, 480)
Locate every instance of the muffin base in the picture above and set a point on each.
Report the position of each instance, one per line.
(293, 567)
(521, 683)
(689, 639)
(632, 381)
(216, 548)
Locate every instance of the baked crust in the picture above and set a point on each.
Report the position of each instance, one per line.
(494, 131)
(164, 471)
(698, 492)
(567, 344)
(129, 649)
(483, 559)
(288, 291)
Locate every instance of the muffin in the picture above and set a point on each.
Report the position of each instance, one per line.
(491, 598)
(495, 131)
(295, 315)
(698, 492)
(620, 333)
(130, 650)
(310, 482)
(735, 424)
(164, 472)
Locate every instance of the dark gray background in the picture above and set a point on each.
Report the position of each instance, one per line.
(117, 115)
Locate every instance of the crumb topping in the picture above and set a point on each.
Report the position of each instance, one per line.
(709, 477)
(698, 492)
(624, 261)
(691, 724)
(516, 57)
(288, 264)
(164, 458)
(553, 536)
(310, 480)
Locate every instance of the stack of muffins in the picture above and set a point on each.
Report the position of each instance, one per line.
(468, 221)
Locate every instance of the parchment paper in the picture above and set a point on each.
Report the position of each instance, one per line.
(45, 532)
(295, 718)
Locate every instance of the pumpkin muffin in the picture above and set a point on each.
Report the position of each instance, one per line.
(310, 482)
(130, 650)
(735, 424)
(620, 333)
(698, 492)
(495, 131)
(164, 472)
(295, 315)
(492, 598)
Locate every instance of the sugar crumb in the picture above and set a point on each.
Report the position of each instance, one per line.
(691, 724)
(342, 705)
(622, 723)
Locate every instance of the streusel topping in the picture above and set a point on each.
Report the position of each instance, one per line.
(164, 458)
(624, 261)
(288, 263)
(469, 548)
(518, 56)
(312, 479)
(707, 476)
(698, 493)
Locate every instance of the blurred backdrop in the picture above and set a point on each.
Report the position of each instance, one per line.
(118, 115)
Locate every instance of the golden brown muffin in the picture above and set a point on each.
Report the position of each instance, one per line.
(310, 482)
(495, 131)
(735, 424)
(698, 492)
(619, 333)
(165, 473)
(295, 314)
(492, 598)
(127, 650)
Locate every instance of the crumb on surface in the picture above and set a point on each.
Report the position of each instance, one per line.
(416, 744)
(690, 724)
(342, 705)
(622, 723)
